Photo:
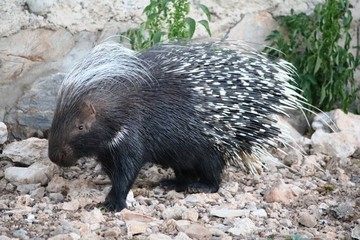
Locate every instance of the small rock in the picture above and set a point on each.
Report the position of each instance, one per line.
(174, 212)
(307, 220)
(280, 192)
(286, 222)
(27, 151)
(135, 223)
(332, 235)
(21, 233)
(135, 227)
(57, 184)
(190, 214)
(112, 233)
(323, 207)
(56, 197)
(71, 206)
(5, 238)
(38, 193)
(344, 210)
(68, 236)
(259, 213)
(158, 236)
(341, 144)
(26, 175)
(40, 7)
(27, 188)
(243, 227)
(182, 236)
(3, 133)
(355, 232)
(232, 187)
(196, 231)
(230, 213)
(130, 200)
(30, 218)
(92, 217)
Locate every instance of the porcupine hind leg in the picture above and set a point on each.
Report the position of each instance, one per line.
(183, 178)
(204, 176)
(209, 173)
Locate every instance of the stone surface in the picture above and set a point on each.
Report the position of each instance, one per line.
(281, 192)
(343, 211)
(36, 173)
(243, 227)
(175, 212)
(28, 151)
(135, 223)
(34, 111)
(3, 133)
(71, 206)
(253, 29)
(342, 143)
(259, 213)
(229, 213)
(355, 232)
(307, 219)
(195, 231)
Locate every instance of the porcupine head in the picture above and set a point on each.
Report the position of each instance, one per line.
(92, 108)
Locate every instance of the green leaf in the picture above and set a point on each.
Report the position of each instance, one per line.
(191, 24)
(205, 9)
(317, 64)
(322, 94)
(206, 26)
(157, 37)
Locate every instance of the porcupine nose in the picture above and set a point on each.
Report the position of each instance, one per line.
(61, 156)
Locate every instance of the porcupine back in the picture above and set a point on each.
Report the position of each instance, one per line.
(237, 93)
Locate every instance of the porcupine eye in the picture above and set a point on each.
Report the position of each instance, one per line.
(81, 127)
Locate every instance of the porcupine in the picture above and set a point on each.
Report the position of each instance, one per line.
(191, 107)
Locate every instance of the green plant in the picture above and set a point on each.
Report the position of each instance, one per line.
(318, 46)
(166, 20)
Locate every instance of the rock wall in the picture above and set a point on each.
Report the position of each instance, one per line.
(39, 39)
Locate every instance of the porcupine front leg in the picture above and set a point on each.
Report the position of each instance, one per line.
(122, 172)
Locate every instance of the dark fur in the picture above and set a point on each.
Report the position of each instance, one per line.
(161, 125)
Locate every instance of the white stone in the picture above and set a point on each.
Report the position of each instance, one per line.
(159, 236)
(23, 175)
(340, 144)
(195, 231)
(73, 205)
(355, 232)
(3, 133)
(259, 213)
(230, 213)
(344, 142)
(40, 6)
(28, 151)
(306, 219)
(243, 226)
(175, 212)
(92, 217)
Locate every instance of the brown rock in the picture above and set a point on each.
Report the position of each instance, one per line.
(280, 192)
(307, 220)
(196, 231)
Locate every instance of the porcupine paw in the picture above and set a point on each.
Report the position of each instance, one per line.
(198, 187)
(111, 204)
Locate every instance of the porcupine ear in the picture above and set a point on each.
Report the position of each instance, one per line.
(88, 113)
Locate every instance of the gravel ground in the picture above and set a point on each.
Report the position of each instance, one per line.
(297, 201)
